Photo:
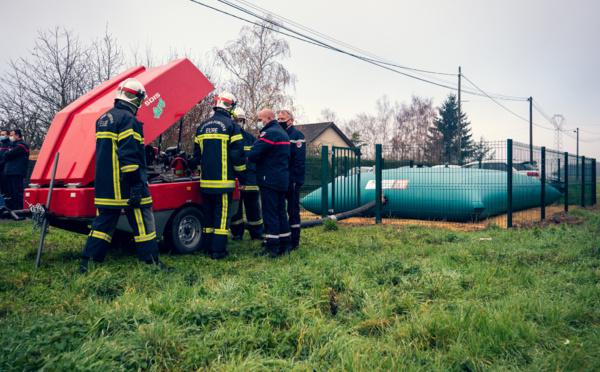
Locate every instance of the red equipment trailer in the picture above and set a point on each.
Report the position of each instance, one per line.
(172, 90)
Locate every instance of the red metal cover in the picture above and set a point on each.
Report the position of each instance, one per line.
(172, 90)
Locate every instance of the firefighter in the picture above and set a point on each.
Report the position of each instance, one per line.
(121, 180)
(271, 153)
(297, 170)
(250, 194)
(16, 165)
(4, 147)
(219, 150)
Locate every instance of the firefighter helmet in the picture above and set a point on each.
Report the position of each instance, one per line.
(239, 114)
(131, 91)
(226, 101)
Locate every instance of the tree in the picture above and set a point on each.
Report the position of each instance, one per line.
(328, 115)
(58, 70)
(482, 151)
(412, 122)
(449, 139)
(258, 78)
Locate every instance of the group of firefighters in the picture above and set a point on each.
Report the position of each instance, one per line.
(269, 170)
(14, 164)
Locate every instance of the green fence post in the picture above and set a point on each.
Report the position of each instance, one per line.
(358, 164)
(509, 183)
(333, 175)
(583, 181)
(378, 182)
(543, 185)
(566, 181)
(594, 183)
(324, 180)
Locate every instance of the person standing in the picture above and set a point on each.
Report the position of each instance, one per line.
(249, 202)
(271, 153)
(219, 151)
(4, 147)
(15, 169)
(121, 180)
(297, 170)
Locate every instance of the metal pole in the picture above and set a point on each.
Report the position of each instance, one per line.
(358, 175)
(509, 183)
(594, 183)
(530, 99)
(577, 154)
(324, 180)
(458, 123)
(566, 181)
(333, 176)
(378, 183)
(543, 185)
(44, 228)
(583, 181)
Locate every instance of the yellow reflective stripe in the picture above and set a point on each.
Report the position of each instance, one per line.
(239, 168)
(120, 202)
(116, 174)
(198, 139)
(144, 238)
(237, 222)
(129, 133)
(221, 232)
(106, 135)
(214, 136)
(247, 148)
(223, 160)
(225, 200)
(100, 235)
(235, 138)
(140, 221)
(208, 230)
(255, 223)
(215, 184)
(251, 188)
(129, 168)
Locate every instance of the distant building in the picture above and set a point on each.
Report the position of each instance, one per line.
(324, 134)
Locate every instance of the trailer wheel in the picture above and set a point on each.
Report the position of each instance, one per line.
(186, 230)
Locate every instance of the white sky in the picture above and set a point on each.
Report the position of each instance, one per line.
(548, 49)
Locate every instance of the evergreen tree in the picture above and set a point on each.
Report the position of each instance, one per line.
(449, 139)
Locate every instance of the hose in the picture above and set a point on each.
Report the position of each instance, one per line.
(343, 215)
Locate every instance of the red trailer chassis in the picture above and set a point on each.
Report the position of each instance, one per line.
(172, 91)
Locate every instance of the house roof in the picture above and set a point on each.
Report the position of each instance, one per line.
(314, 130)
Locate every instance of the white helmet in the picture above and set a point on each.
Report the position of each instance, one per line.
(132, 91)
(226, 101)
(239, 113)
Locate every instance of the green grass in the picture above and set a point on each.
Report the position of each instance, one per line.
(371, 298)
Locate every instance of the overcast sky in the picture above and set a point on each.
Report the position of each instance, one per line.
(548, 49)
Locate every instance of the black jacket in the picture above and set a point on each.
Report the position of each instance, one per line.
(297, 155)
(219, 150)
(16, 159)
(119, 156)
(271, 153)
(4, 147)
(249, 140)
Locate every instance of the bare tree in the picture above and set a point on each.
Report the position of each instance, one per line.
(412, 122)
(58, 70)
(258, 79)
(328, 115)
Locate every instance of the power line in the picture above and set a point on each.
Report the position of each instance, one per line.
(302, 37)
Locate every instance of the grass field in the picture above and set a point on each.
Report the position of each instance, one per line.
(359, 298)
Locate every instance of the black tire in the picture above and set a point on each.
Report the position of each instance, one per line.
(185, 231)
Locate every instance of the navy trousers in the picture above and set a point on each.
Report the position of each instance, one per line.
(215, 230)
(250, 206)
(293, 210)
(142, 223)
(277, 228)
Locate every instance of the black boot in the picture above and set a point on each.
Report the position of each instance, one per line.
(219, 255)
(83, 265)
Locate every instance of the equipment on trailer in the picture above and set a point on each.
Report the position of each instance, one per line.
(172, 90)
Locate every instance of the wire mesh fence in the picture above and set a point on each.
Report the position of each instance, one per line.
(503, 183)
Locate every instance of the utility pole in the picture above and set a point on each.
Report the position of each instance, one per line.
(577, 130)
(577, 154)
(530, 99)
(458, 123)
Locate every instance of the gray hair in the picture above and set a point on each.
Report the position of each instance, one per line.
(288, 112)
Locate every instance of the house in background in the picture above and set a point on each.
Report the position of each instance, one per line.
(323, 134)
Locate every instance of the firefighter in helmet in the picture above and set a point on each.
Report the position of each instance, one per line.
(121, 181)
(219, 150)
(250, 195)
